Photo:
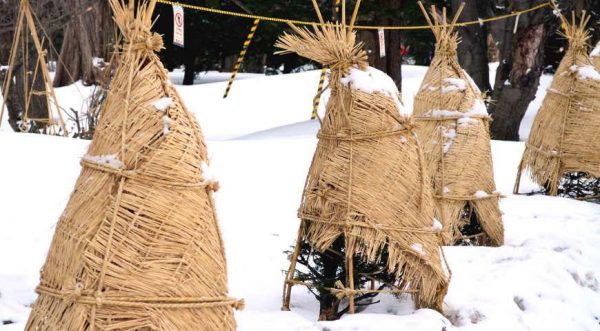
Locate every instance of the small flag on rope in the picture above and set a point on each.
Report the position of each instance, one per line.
(178, 21)
(381, 34)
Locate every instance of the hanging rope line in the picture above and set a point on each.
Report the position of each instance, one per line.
(240, 59)
(363, 27)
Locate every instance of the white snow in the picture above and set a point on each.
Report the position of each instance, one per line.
(373, 80)
(585, 72)
(596, 51)
(418, 247)
(545, 277)
(167, 121)
(163, 104)
(454, 84)
(437, 225)
(111, 160)
(481, 194)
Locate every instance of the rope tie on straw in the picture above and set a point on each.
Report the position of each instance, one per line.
(210, 185)
(376, 226)
(468, 197)
(150, 43)
(362, 136)
(99, 299)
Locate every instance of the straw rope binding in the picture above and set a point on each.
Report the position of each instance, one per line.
(564, 134)
(365, 172)
(138, 246)
(453, 125)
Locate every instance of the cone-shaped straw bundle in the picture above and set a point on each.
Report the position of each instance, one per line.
(367, 181)
(564, 135)
(138, 246)
(453, 126)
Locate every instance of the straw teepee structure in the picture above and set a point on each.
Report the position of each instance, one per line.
(453, 125)
(26, 28)
(138, 246)
(367, 183)
(564, 135)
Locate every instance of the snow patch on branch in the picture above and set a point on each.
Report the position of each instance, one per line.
(111, 160)
(371, 81)
(163, 104)
(585, 72)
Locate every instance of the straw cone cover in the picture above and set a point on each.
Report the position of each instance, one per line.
(367, 180)
(138, 245)
(564, 134)
(452, 124)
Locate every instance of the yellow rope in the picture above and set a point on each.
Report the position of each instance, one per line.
(240, 59)
(364, 27)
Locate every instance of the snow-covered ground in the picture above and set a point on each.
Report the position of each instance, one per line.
(546, 276)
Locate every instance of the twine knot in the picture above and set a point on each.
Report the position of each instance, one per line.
(213, 185)
(99, 298)
(150, 42)
(240, 304)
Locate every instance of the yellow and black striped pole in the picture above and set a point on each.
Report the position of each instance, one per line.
(240, 59)
(317, 98)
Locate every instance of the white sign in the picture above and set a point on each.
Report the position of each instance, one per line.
(178, 25)
(381, 43)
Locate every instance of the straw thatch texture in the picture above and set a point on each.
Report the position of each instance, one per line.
(367, 180)
(453, 126)
(564, 135)
(138, 246)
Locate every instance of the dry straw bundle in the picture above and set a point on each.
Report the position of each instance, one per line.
(564, 135)
(453, 126)
(138, 246)
(367, 182)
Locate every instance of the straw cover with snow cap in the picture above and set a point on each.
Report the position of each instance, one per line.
(564, 135)
(138, 246)
(367, 181)
(452, 124)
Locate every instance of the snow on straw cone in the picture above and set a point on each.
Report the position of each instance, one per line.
(564, 135)
(452, 124)
(138, 246)
(368, 180)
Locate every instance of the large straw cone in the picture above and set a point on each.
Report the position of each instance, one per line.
(453, 127)
(138, 246)
(564, 135)
(367, 180)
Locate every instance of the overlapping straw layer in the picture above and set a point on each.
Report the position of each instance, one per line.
(368, 180)
(452, 124)
(564, 135)
(138, 246)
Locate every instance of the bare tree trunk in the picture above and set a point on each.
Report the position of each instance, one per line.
(472, 49)
(86, 36)
(391, 64)
(521, 65)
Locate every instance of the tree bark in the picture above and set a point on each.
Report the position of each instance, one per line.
(391, 64)
(472, 49)
(521, 65)
(86, 36)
